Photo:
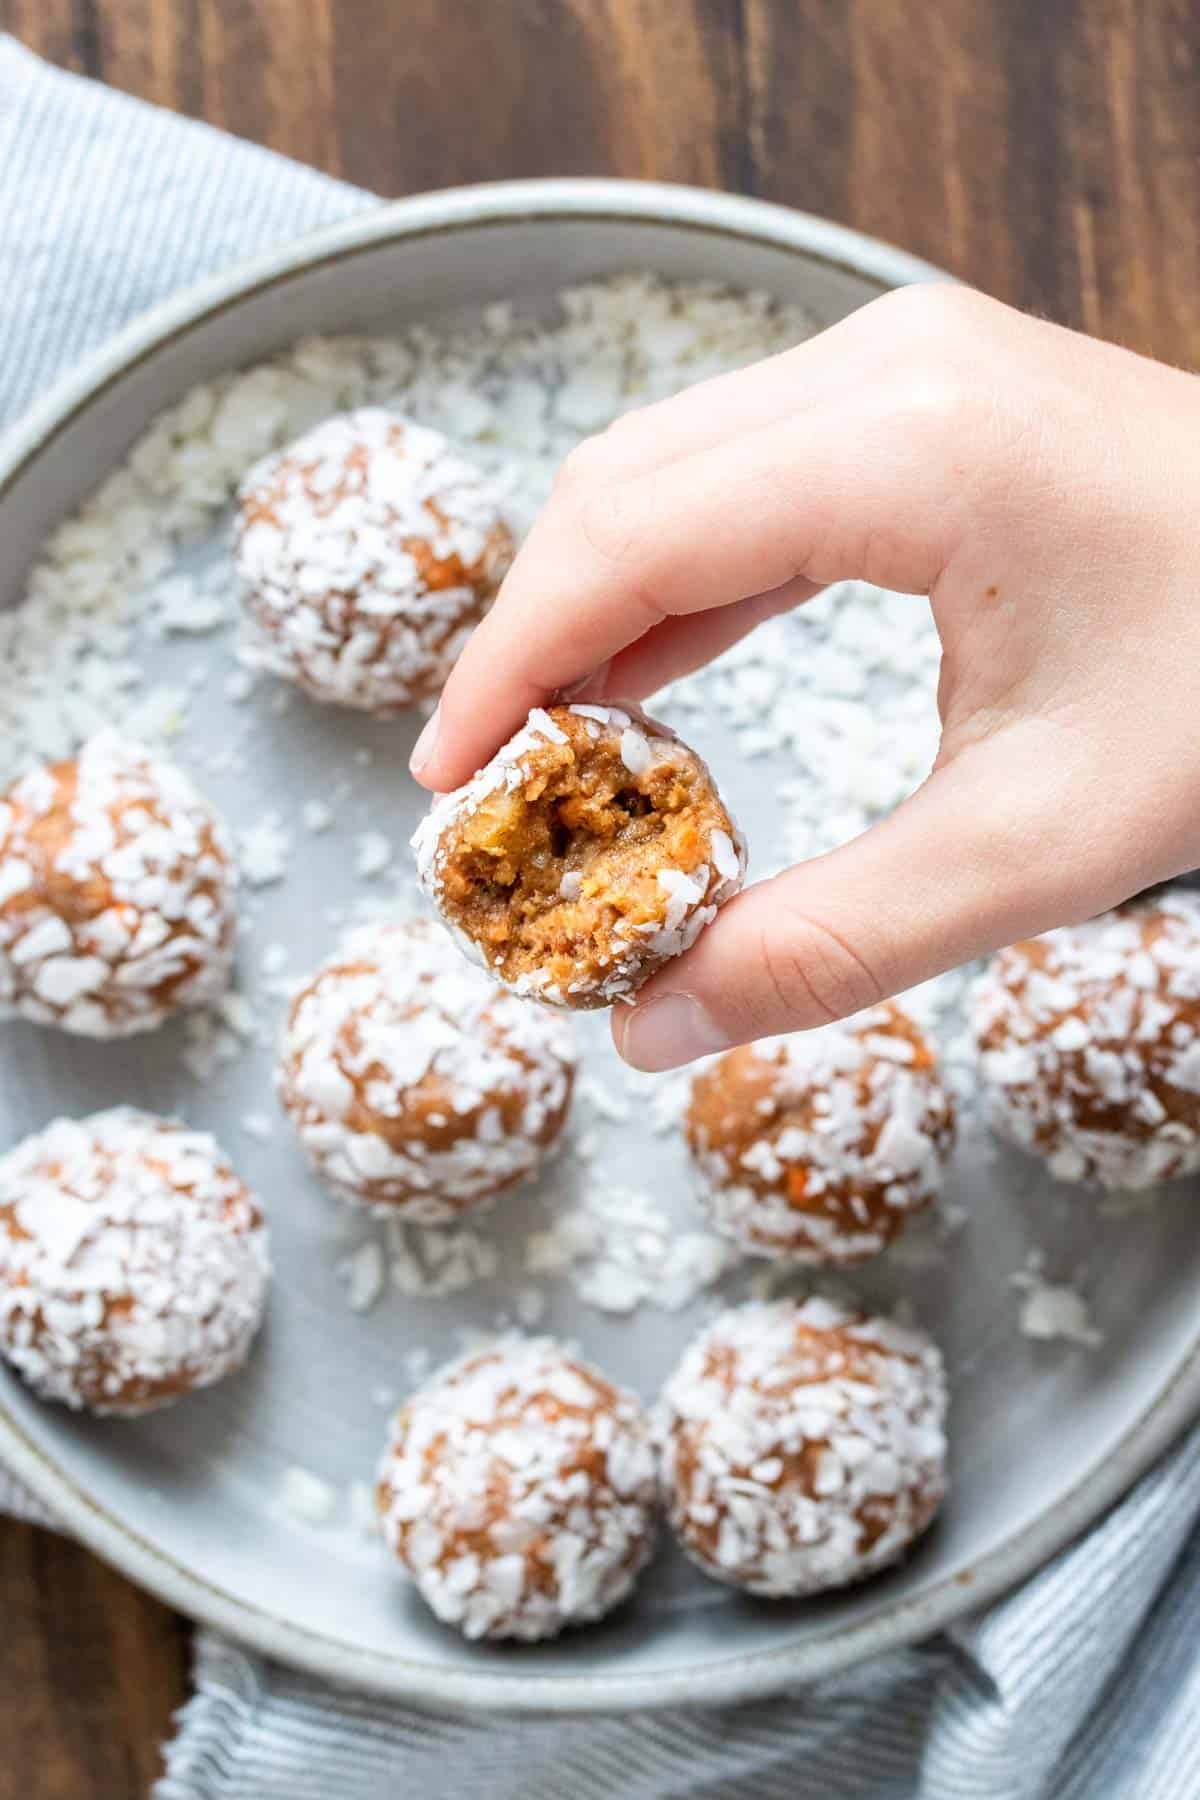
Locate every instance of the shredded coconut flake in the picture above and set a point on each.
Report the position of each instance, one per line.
(372, 854)
(1054, 1310)
(364, 1274)
(263, 850)
(305, 1497)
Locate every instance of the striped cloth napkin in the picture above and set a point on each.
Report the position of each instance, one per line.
(1084, 1685)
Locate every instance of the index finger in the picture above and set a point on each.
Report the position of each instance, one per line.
(849, 480)
(496, 682)
(602, 567)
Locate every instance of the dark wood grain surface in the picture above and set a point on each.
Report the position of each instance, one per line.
(1047, 150)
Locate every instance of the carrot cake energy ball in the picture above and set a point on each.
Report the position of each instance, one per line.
(133, 1262)
(802, 1445)
(117, 891)
(367, 552)
(589, 851)
(1089, 1044)
(414, 1082)
(519, 1491)
(818, 1147)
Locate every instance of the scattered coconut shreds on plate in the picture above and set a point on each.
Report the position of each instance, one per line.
(207, 1044)
(364, 1273)
(306, 1497)
(372, 854)
(1053, 1310)
(662, 1099)
(432, 1261)
(622, 1251)
(602, 1102)
(183, 608)
(237, 1011)
(310, 1500)
(361, 1507)
(263, 849)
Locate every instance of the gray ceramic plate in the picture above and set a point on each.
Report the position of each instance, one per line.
(1045, 1435)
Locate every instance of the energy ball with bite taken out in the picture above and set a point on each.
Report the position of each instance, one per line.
(367, 551)
(1089, 1044)
(519, 1491)
(816, 1148)
(803, 1445)
(133, 1262)
(591, 850)
(417, 1085)
(117, 892)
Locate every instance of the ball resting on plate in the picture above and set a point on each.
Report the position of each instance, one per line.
(367, 551)
(133, 1262)
(417, 1085)
(1089, 1044)
(803, 1445)
(518, 1490)
(817, 1148)
(117, 892)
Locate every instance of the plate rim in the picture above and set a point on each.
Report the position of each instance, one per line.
(901, 1620)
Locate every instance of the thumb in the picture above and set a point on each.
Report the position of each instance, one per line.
(967, 864)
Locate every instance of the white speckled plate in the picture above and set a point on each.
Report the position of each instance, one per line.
(188, 1501)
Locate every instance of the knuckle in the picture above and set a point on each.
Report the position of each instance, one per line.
(936, 330)
(621, 438)
(582, 467)
(935, 313)
(609, 517)
(814, 976)
(933, 397)
(605, 510)
(596, 460)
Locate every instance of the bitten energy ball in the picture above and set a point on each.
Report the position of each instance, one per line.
(414, 1082)
(802, 1445)
(1089, 1044)
(817, 1148)
(588, 852)
(519, 1491)
(367, 551)
(117, 890)
(133, 1262)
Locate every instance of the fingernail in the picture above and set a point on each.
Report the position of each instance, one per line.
(666, 1032)
(426, 744)
(591, 687)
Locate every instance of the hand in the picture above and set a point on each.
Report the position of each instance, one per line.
(1043, 490)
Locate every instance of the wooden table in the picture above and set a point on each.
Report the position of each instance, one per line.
(1047, 150)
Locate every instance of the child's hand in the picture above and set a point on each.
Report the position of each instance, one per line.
(1044, 491)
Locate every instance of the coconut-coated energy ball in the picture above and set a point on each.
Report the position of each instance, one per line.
(1089, 1044)
(803, 1445)
(518, 1490)
(816, 1148)
(589, 851)
(367, 552)
(133, 1262)
(416, 1084)
(117, 893)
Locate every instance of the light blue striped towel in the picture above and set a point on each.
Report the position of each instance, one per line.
(1085, 1685)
